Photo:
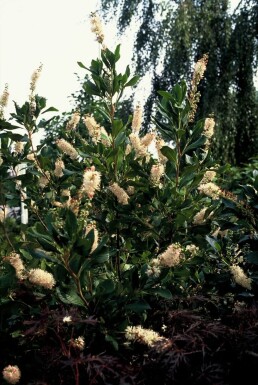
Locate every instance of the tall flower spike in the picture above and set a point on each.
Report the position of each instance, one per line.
(96, 132)
(240, 277)
(34, 79)
(96, 27)
(15, 260)
(73, 122)
(4, 101)
(194, 96)
(67, 148)
(137, 119)
(42, 278)
(157, 171)
(91, 182)
(89, 227)
(120, 193)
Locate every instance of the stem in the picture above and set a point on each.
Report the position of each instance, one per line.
(118, 263)
(75, 278)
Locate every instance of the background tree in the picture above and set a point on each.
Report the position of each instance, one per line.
(173, 34)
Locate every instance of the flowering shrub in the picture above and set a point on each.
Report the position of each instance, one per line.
(113, 226)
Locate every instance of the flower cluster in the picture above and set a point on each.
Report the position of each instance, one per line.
(42, 278)
(78, 343)
(73, 122)
(141, 151)
(159, 144)
(3, 101)
(15, 260)
(12, 374)
(91, 182)
(96, 132)
(194, 95)
(59, 166)
(171, 256)
(31, 157)
(192, 249)
(208, 176)
(153, 269)
(89, 227)
(44, 179)
(201, 217)
(210, 189)
(157, 171)
(120, 193)
(137, 119)
(34, 79)
(19, 147)
(67, 148)
(240, 277)
(148, 139)
(209, 126)
(96, 27)
(145, 336)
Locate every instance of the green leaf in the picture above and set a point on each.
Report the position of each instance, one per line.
(214, 243)
(71, 224)
(132, 81)
(106, 287)
(71, 298)
(164, 293)
(91, 88)
(170, 153)
(50, 109)
(117, 126)
(121, 137)
(117, 53)
(101, 256)
(80, 64)
(167, 95)
(198, 143)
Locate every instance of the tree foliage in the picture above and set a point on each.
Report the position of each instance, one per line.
(176, 33)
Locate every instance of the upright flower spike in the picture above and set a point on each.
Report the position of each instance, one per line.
(42, 278)
(137, 119)
(157, 171)
(59, 166)
(34, 79)
(159, 144)
(89, 227)
(4, 101)
(194, 95)
(67, 148)
(240, 277)
(15, 260)
(148, 139)
(96, 132)
(73, 122)
(141, 151)
(96, 27)
(120, 193)
(209, 126)
(91, 182)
